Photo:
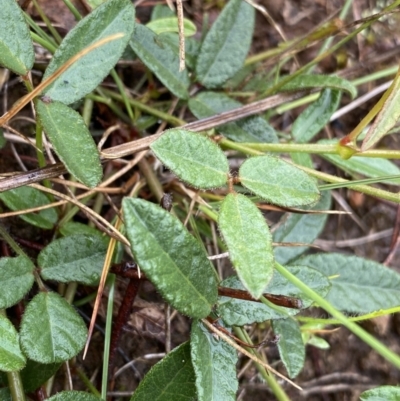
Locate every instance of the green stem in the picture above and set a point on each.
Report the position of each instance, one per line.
(49, 25)
(10, 241)
(122, 91)
(107, 340)
(16, 386)
(361, 318)
(270, 379)
(86, 381)
(147, 109)
(151, 179)
(357, 330)
(73, 10)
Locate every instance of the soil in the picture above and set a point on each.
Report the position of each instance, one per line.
(349, 367)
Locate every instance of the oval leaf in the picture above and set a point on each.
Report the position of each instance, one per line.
(193, 158)
(358, 285)
(11, 357)
(77, 257)
(316, 116)
(278, 182)
(34, 374)
(71, 141)
(161, 60)
(74, 396)
(170, 379)
(170, 24)
(250, 129)
(214, 362)
(51, 330)
(306, 81)
(290, 345)
(113, 16)
(383, 393)
(16, 47)
(296, 227)
(25, 198)
(16, 278)
(172, 259)
(249, 242)
(226, 45)
(236, 312)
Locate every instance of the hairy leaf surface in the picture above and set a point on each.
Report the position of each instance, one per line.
(358, 285)
(170, 379)
(51, 330)
(249, 242)
(71, 141)
(226, 45)
(193, 158)
(16, 47)
(112, 17)
(278, 181)
(172, 259)
(214, 362)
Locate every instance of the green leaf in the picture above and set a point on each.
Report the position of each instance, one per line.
(11, 357)
(321, 81)
(16, 47)
(192, 46)
(170, 379)
(193, 158)
(316, 116)
(171, 258)
(112, 17)
(290, 345)
(71, 141)
(16, 278)
(236, 312)
(5, 394)
(214, 362)
(318, 342)
(278, 181)
(382, 393)
(73, 228)
(358, 285)
(170, 24)
(51, 331)
(367, 166)
(25, 198)
(74, 396)
(77, 257)
(34, 374)
(250, 129)
(249, 242)
(161, 11)
(226, 45)
(3, 140)
(161, 60)
(296, 227)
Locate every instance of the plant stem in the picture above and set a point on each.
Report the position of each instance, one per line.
(16, 386)
(270, 379)
(107, 340)
(357, 330)
(361, 318)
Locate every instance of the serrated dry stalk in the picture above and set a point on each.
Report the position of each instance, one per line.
(130, 148)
